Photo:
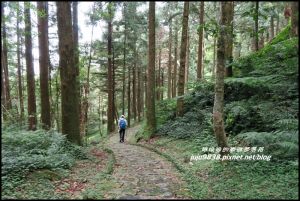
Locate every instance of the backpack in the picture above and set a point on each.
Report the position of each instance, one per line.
(122, 123)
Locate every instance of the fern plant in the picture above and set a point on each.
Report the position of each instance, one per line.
(280, 144)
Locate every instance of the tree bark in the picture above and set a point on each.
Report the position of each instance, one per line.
(200, 42)
(256, 26)
(158, 77)
(20, 88)
(139, 94)
(134, 105)
(128, 97)
(185, 21)
(261, 41)
(76, 56)
(68, 74)
(30, 70)
(75, 35)
(57, 95)
(3, 89)
(8, 104)
(229, 48)
(150, 113)
(214, 60)
(277, 25)
(186, 77)
(170, 61)
(44, 64)
(124, 60)
(175, 59)
(294, 19)
(110, 112)
(218, 122)
(162, 84)
(271, 28)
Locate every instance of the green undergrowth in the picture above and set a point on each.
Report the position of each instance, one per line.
(260, 110)
(209, 179)
(36, 163)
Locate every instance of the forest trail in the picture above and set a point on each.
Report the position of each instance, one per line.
(140, 173)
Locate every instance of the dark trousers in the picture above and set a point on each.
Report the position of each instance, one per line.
(122, 134)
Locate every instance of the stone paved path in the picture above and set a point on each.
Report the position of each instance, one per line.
(142, 174)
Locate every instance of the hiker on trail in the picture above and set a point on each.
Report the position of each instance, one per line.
(122, 126)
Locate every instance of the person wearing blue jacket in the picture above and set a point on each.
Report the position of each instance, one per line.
(122, 124)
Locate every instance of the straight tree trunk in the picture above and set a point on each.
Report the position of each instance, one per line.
(215, 44)
(294, 18)
(200, 42)
(57, 95)
(139, 94)
(214, 60)
(30, 70)
(170, 61)
(115, 109)
(68, 74)
(76, 46)
(256, 25)
(124, 60)
(162, 84)
(158, 85)
(143, 90)
(134, 105)
(150, 113)
(185, 21)
(186, 77)
(218, 122)
(110, 112)
(175, 61)
(261, 41)
(229, 49)
(8, 104)
(3, 89)
(75, 35)
(128, 97)
(271, 28)
(44, 64)
(20, 88)
(277, 25)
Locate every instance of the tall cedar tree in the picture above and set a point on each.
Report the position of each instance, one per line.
(20, 88)
(3, 96)
(76, 46)
(256, 24)
(200, 41)
(110, 109)
(175, 57)
(170, 88)
(124, 58)
(185, 21)
(229, 49)
(150, 100)
(295, 18)
(30, 70)
(218, 122)
(8, 104)
(42, 7)
(187, 62)
(68, 74)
